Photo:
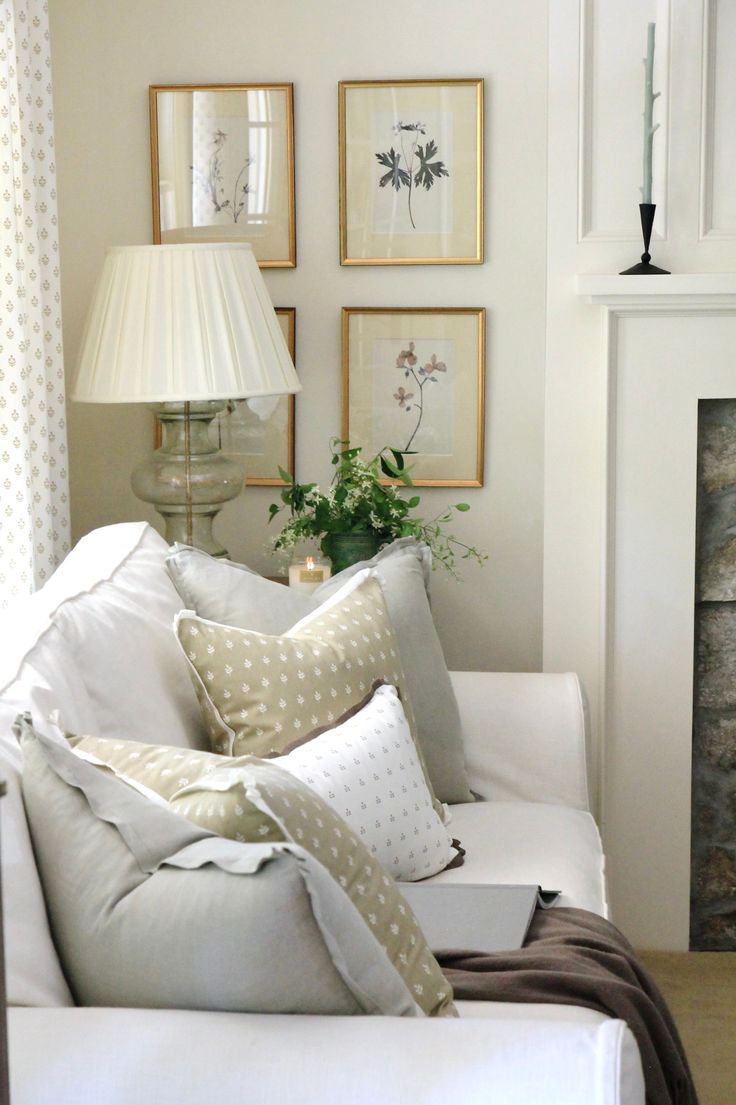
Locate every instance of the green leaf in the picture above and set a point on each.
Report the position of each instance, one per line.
(462, 507)
(285, 476)
(399, 458)
(273, 510)
(414, 501)
(428, 169)
(396, 176)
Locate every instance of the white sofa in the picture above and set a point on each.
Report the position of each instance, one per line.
(525, 746)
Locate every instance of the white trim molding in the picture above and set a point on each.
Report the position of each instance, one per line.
(679, 291)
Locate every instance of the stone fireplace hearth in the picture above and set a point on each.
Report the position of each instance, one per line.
(713, 827)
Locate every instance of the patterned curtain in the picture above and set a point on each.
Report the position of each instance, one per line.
(34, 497)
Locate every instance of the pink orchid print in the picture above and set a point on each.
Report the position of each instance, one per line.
(407, 361)
(403, 397)
(433, 365)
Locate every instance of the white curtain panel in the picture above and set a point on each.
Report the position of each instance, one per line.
(34, 496)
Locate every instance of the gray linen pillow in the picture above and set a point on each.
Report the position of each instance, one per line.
(151, 910)
(232, 594)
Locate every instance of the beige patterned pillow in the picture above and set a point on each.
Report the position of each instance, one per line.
(261, 693)
(165, 770)
(254, 801)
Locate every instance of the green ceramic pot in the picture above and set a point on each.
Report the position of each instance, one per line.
(345, 549)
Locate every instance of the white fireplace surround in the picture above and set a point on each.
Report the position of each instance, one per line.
(627, 358)
(668, 341)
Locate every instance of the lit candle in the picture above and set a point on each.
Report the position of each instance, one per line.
(307, 574)
(649, 128)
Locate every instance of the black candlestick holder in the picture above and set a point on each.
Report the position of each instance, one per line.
(645, 268)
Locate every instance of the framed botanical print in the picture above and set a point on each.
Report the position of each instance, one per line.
(222, 167)
(259, 432)
(411, 172)
(413, 380)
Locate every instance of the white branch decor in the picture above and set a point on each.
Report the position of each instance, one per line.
(649, 126)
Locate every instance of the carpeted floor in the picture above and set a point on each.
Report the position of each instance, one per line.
(700, 989)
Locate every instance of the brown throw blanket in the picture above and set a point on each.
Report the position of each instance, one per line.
(573, 957)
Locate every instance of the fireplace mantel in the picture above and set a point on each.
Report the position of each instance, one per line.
(682, 291)
(666, 342)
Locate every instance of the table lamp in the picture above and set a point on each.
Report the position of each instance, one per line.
(186, 327)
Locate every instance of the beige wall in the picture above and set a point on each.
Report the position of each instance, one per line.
(107, 52)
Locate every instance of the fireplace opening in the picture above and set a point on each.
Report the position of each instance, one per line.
(713, 845)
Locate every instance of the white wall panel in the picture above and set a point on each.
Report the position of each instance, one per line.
(613, 45)
(719, 121)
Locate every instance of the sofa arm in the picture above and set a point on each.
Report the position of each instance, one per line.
(525, 736)
(499, 1054)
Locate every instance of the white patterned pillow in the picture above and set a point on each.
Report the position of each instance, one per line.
(368, 770)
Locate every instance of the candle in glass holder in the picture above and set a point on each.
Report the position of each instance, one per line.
(308, 573)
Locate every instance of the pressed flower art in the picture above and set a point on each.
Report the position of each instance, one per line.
(413, 377)
(411, 172)
(222, 196)
(421, 374)
(413, 165)
(222, 160)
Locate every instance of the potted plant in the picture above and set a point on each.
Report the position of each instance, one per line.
(359, 514)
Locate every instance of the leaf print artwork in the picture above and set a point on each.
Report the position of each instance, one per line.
(425, 374)
(413, 165)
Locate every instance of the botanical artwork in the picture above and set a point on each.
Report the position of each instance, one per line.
(252, 427)
(260, 431)
(219, 179)
(413, 382)
(416, 403)
(413, 165)
(223, 167)
(411, 172)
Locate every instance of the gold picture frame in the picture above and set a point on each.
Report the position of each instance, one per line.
(413, 380)
(268, 429)
(411, 172)
(222, 167)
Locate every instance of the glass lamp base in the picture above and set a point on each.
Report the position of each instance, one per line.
(188, 480)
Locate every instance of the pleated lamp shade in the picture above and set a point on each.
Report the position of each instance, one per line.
(175, 323)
